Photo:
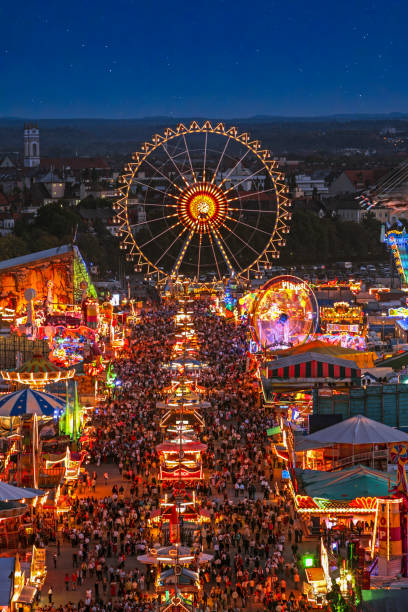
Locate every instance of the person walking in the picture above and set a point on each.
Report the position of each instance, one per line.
(50, 595)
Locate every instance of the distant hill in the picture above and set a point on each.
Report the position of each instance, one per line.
(68, 137)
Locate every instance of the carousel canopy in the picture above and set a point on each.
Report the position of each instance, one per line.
(358, 430)
(29, 401)
(186, 577)
(169, 556)
(185, 444)
(9, 492)
(37, 371)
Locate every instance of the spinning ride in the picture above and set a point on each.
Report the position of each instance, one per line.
(285, 313)
(202, 201)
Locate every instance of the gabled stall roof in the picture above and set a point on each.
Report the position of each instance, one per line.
(15, 262)
(345, 485)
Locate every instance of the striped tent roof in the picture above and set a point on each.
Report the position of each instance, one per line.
(29, 401)
(311, 366)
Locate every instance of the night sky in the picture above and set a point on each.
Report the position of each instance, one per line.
(213, 58)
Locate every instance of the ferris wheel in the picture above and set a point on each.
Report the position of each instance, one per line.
(204, 202)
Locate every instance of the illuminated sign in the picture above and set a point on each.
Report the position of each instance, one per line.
(336, 327)
(294, 286)
(398, 312)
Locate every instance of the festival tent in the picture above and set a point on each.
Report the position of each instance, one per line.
(9, 492)
(29, 401)
(358, 430)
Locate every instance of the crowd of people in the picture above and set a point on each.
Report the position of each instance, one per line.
(253, 534)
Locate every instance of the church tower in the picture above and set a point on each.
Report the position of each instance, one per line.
(31, 145)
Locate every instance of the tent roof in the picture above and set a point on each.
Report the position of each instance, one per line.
(317, 346)
(294, 359)
(39, 363)
(358, 430)
(346, 485)
(9, 492)
(31, 257)
(303, 444)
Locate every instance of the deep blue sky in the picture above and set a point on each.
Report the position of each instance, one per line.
(224, 58)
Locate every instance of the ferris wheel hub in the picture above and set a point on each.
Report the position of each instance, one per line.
(202, 205)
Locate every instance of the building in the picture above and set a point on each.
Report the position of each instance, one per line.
(385, 403)
(347, 209)
(31, 145)
(239, 175)
(311, 185)
(355, 181)
(74, 164)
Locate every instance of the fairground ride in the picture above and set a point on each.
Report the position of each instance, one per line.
(202, 202)
(390, 192)
(397, 240)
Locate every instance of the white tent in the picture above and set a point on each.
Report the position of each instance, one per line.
(358, 430)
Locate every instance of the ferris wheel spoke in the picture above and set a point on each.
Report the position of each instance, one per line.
(241, 239)
(251, 210)
(249, 195)
(154, 189)
(158, 205)
(169, 247)
(200, 240)
(189, 158)
(176, 166)
(161, 234)
(233, 168)
(146, 161)
(221, 244)
(214, 255)
(205, 155)
(183, 250)
(219, 161)
(133, 225)
(257, 229)
(247, 178)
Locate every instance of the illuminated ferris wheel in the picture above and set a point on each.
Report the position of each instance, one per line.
(203, 202)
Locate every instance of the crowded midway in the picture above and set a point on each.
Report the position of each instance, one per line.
(252, 536)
